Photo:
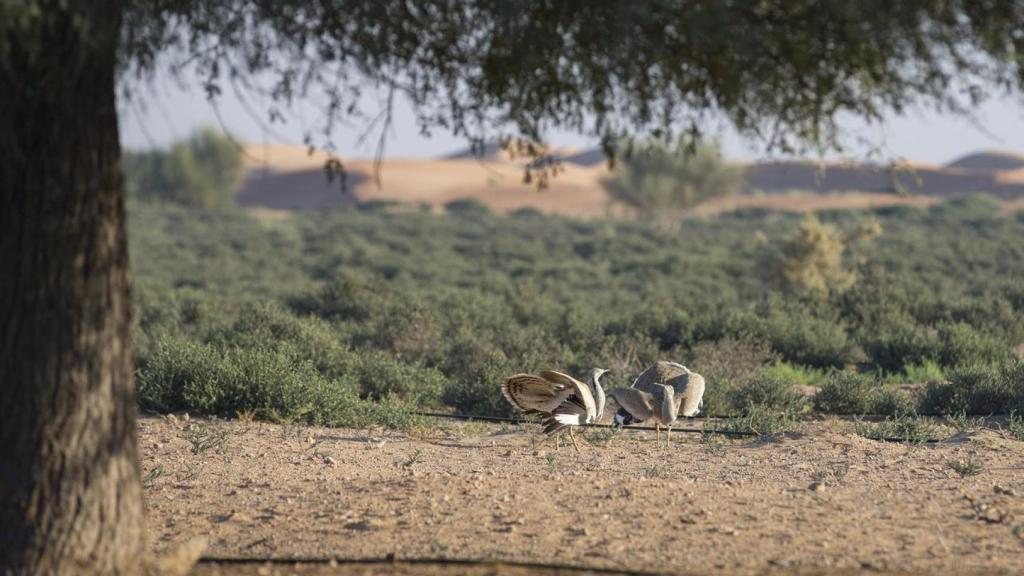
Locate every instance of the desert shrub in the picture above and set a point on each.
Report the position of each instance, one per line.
(1015, 426)
(526, 213)
(731, 359)
(380, 375)
(271, 382)
(762, 420)
(657, 177)
(1012, 374)
(896, 346)
(902, 427)
(348, 296)
(846, 393)
(461, 303)
(983, 389)
(203, 171)
(727, 364)
(795, 374)
(476, 372)
(312, 339)
(889, 401)
(768, 390)
(801, 338)
(969, 207)
(962, 345)
(466, 207)
(921, 373)
(409, 329)
(812, 260)
(172, 369)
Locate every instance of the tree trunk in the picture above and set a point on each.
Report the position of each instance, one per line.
(70, 495)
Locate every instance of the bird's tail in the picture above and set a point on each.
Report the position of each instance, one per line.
(568, 414)
(623, 418)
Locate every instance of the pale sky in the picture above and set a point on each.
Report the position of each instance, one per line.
(168, 111)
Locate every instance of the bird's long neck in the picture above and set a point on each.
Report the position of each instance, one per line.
(669, 408)
(599, 396)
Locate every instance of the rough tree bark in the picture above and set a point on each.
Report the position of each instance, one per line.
(70, 493)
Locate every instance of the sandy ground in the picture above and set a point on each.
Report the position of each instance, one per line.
(820, 499)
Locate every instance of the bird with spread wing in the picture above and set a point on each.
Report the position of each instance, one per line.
(663, 392)
(563, 401)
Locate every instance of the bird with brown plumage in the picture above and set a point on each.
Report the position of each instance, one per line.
(563, 401)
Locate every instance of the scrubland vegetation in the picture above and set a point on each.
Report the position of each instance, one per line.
(361, 316)
(656, 178)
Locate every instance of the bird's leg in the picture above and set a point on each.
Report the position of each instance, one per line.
(668, 436)
(657, 432)
(573, 438)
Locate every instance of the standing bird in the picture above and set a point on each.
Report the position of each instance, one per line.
(564, 401)
(663, 391)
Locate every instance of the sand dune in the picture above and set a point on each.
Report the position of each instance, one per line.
(289, 178)
(989, 160)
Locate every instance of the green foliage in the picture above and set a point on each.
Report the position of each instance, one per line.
(1015, 426)
(770, 391)
(890, 401)
(972, 207)
(980, 389)
(762, 420)
(846, 393)
(965, 468)
(812, 260)
(929, 371)
(728, 363)
(203, 171)
(964, 423)
(467, 207)
(356, 316)
(795, 374)
(899, 427)
(782, 71)
(803, 338)
(657, 178)
(381, 375)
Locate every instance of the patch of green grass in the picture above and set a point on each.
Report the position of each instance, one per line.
(965, 468)
(846, 393)
(927, 371)
(762, 420)
(794, 374)
(153, 475)
(1015, 426)
(964, 423)
(205, 437)
(552, 462)
(413, 459)
(711, 443)
(770, 392)
(601, 436)
(901, 428)
(889, 401)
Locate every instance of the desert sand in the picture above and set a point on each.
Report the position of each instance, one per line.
(820, 499)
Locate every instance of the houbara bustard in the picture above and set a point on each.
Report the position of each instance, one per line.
(664, 391)
(562, 400)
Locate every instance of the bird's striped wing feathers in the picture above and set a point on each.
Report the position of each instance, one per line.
(582, 393)
(530, 393)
